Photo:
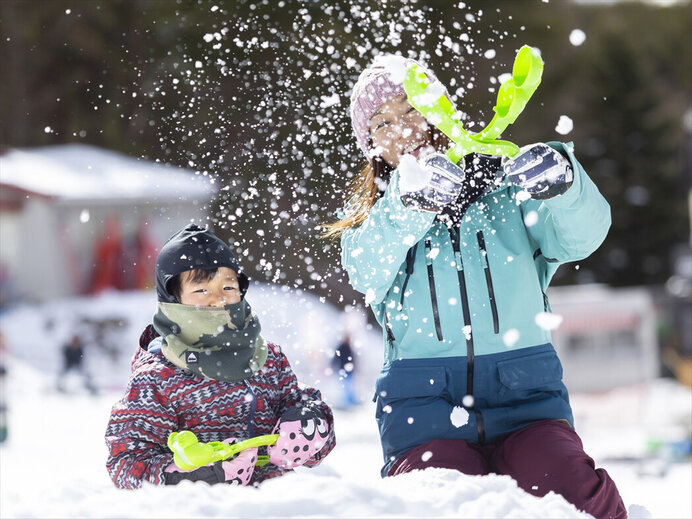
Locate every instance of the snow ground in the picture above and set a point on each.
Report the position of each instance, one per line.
(53, 462)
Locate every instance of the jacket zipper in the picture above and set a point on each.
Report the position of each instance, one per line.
(489, 282)
(433, 291)
(409, 270)
(546, 302)
(253, 407)
(387, 326)
(470, 354)
(410, 255)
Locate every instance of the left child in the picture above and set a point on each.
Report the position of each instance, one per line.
(203, 366)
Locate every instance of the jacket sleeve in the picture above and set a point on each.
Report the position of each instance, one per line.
(137, 433)
(372, 253)
(572, 225)
(294, 393)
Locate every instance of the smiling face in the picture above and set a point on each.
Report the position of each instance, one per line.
(398, 129)
(219, 290)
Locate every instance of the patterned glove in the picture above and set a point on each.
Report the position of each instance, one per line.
(540, 170)
(302, 433)
(236, 471)
(432, 185)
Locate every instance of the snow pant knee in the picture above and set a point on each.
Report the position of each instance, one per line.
(549, 456)
(447, 454)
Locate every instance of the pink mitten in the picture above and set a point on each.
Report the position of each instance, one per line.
(238, 471)
(302, 433)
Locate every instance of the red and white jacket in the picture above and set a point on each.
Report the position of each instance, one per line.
(161, 398)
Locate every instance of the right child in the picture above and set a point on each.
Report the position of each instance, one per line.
(454, 260)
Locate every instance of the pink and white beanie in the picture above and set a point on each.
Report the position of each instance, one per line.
(382, 81)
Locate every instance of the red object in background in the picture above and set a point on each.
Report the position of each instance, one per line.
(108, 268)
(146, 258)
(123, 265)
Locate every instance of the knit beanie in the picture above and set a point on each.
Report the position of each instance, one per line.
(382, 81)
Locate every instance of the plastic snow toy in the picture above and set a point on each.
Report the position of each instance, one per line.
(430, 100)
(189, 453)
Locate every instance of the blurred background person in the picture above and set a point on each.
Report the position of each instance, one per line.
(343, 364)
(73, 362)
(3, 389)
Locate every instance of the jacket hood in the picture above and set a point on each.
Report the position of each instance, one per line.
(193, 248)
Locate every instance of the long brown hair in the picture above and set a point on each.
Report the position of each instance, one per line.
(364, 191)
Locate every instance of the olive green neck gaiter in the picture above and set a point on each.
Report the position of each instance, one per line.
(218, 343)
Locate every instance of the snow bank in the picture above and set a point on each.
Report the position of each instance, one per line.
(53, 464)
(56, 451)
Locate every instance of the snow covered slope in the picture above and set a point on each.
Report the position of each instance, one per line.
(53, 462)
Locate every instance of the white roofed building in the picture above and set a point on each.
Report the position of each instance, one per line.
(76, 219)
(605, 337)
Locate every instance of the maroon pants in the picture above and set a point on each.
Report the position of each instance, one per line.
(544, 456)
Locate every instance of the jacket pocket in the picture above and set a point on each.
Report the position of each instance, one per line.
(411, 382)
(413, 407)
(532, 377)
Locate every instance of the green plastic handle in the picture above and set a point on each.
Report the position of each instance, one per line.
(189, 453)
(515, 93)
(431, 101)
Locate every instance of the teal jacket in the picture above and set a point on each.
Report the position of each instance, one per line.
(463, 303)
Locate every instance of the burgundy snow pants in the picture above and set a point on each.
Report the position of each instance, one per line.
(544, 456)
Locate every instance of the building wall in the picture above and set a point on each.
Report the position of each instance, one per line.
(49, 246)
(607, 337)
(42, 272)
(9, 251)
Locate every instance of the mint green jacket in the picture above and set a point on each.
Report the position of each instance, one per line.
(506, 251)
(462, 309)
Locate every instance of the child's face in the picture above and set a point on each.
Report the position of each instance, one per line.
(398, 129)
(221, 290)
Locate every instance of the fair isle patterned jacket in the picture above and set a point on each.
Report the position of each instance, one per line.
(161, 398)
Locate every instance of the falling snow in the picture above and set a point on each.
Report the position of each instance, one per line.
(459, 417)
(510, 337)
(409, 240)
(413, 177)
(531, 219)
(577, 37)
(564, 125)
(252, 141)
(522, 196)
(467, 331)
(548, 321)
(243, 141)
